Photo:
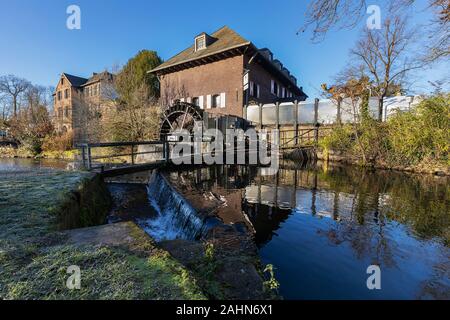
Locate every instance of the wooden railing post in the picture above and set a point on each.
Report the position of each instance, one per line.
(260, 116)
(166, 150)
(132, 154)
(338, 115)
(316, 121)
(277, 115)
(316, 134)
(83, 156)
(296, 121)
(316, 111)
(89, 164)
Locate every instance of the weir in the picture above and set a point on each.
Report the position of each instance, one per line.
(176, 219)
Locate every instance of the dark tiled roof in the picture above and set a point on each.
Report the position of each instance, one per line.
(74, 80)
(105, 75)
(224, 39)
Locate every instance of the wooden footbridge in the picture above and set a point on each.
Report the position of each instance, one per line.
(7, 141)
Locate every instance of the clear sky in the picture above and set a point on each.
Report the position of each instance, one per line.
(35, 43)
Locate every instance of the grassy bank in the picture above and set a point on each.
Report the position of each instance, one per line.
(35, 254)
(417, 141)
(22, 152)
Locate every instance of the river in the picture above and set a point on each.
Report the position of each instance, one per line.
(322, 226)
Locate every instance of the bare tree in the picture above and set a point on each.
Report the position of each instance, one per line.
(439, 45)
(5, 108)
(350, 89)
(136, 119)
(323, 15)
(383, 53)
(12, 87)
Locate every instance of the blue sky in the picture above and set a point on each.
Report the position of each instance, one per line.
(35, 43)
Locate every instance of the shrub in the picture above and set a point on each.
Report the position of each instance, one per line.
(58, 142)
(422, 133)
(419, 136)
(340, 139)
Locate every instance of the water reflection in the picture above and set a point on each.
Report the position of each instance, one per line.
(19, 164)
(322, 227)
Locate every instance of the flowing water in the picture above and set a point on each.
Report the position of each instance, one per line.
(175, 218)
(322, 227)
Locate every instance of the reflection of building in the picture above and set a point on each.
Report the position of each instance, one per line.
(223, 71)
(75, 96)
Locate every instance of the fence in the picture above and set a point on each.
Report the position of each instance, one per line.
(113, 154)
(324, 112)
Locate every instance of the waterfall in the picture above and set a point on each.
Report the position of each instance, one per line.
(176, 218)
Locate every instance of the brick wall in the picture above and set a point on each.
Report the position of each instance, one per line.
(259, 75)
(224, 76)
(62, 108)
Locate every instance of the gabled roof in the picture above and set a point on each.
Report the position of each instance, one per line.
(96, 77)
(74, 80)
(223, 39)
(225, 42)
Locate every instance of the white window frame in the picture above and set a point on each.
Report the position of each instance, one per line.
(202, 37)
(222, 100)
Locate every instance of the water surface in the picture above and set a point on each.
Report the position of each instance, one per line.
(321, 227)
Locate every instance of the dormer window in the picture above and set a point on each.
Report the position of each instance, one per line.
(200, 42)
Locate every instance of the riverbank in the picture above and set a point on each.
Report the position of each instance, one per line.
(431, 167)
(10, 152)
(415, 141)
(37, 206)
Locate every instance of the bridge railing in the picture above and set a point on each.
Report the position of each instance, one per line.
(300, 137)
(113, 154)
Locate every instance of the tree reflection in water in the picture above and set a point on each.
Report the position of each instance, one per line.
(381, 216)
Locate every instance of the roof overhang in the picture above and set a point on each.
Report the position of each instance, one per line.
(211, 57)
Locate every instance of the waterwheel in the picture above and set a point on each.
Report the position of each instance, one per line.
(181, 115)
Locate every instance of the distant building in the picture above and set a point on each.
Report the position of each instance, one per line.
(76, 99)
(222, 72)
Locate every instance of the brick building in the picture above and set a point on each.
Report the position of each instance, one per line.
(222, 72)
(77, 100)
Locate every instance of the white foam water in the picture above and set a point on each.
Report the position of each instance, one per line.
(176, 218)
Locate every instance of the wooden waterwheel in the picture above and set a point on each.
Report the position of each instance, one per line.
(181, 115)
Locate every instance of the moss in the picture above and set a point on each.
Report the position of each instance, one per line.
(85, 206)
(106, 273)
(164, 278)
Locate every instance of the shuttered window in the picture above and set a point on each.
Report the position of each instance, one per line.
(222, 100)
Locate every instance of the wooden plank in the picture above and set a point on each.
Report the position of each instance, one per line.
(111, 172)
